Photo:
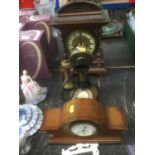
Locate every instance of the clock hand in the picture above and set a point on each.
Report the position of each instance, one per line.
(84, 129)
(80, 39)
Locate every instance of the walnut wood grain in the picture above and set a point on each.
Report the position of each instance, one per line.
(94, 70)
(115, 118)
(109, 120)
(104, 139)
(52, 119)
(80, 14)
(97, 20)
(84, 109)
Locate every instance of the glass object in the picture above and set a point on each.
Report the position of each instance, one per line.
(83, 129)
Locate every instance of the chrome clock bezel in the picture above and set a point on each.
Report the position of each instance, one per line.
(91, 124)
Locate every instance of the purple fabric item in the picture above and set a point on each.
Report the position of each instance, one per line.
(33, 19)
(21, 26)
(42, 22)
(25, 13)
(29, 12)
(30, 57)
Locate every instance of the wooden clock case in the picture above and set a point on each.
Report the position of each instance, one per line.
(109, 120)
(82, 15)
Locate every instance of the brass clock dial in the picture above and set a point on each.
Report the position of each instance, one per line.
(81, 40)
(83, 129)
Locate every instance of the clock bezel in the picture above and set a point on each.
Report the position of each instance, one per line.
(83, 122)
(92, 34)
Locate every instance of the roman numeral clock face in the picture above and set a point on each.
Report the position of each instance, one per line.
(81, 40)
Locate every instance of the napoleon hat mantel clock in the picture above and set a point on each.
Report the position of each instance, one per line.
(80, 23)
(84, 120)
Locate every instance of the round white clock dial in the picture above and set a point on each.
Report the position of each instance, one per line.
(83, 129)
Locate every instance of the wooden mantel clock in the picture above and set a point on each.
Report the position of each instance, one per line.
(84, 121)
(80, 23)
